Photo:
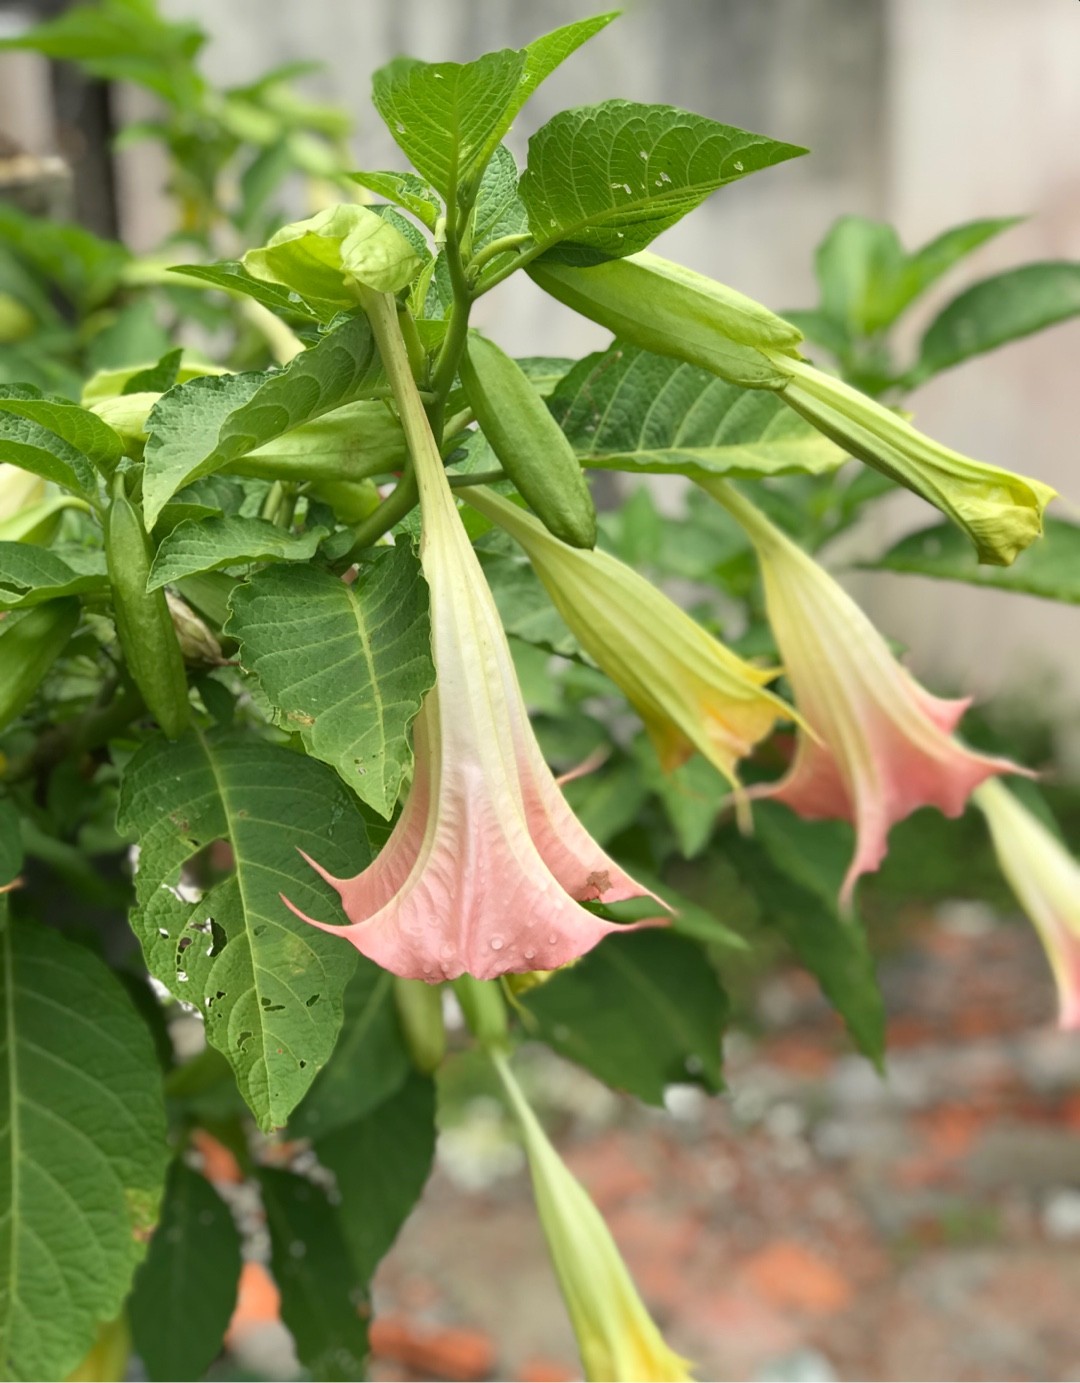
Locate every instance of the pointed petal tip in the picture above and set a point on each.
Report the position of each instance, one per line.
(331, 927)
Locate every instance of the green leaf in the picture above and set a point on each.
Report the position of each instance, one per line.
(11, 851)
(524, 607)
(610, 800)
(404, 190)
(34, 447)
(200, 426)
(448, 117)
(795, 868)
(381, 1163)
(1050, 568)
(499, 211)
(322, 1292)
(86, 268)
(868, 280)
(603, 181)
(629, 410)
(156, 378)
(81, 429)
(207, 544)
(346, 666)
(231, 276)
(641, 1011)
(29, 575)
(82, 1152)
(124, 40)
(327, 255)
(370, 1062)
(998, 310)
(269, 985)
(185, 1291)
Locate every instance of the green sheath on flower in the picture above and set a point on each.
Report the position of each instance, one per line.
(144, 625)
(999, 511)
(532, 447)
(665, 308)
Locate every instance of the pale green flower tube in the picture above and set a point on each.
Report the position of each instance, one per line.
(618, 1339)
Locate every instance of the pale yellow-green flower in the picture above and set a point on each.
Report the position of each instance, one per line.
(691, 691)
(618, 1339)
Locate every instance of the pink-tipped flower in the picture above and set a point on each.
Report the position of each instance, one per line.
(881, 745)
(691, 691)
(1046, 881)
(486, 870)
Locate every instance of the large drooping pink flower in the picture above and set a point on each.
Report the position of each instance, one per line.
(881, 745)
(487, 867)
(1046, 881)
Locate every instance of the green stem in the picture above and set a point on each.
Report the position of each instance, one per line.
(503, 245)
(92, 729)
(526, 257)
(454, 341)
(401, 501)
(463, 482)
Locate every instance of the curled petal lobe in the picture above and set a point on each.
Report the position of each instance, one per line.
(881, 745)
(1046, 880)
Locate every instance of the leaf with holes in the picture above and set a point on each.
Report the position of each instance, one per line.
(345, 666)
(82, 1152)
(641, 1011)
(369, 1063)
(1050, 568)
(269, 986)
(448, 117)
(322, 1291)
(200, 426)
(626, 409)
(207, 544)
(185, 1292)
(603, 181)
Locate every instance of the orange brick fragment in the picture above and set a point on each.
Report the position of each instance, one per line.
(787, 1274)
(460, 1355)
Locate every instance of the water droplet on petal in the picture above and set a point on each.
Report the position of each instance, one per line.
(530, 951)
(496, 943)
(552, 938)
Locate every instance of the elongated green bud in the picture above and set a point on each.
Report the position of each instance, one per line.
(533, 449)
(420, 1014)
(353, 442)
(143, 623)
(669, 310)
(484, 1008)
(1000, 511)
(28, 648)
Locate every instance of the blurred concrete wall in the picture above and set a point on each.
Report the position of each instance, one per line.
(926, 112)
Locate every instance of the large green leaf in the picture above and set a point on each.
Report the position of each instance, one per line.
(499, 210)
(795, 869)
(449, 116)
(82, 1152)
(34, 447)
(603, 181)
(200, 426)
(207, 544)
(628, 410)
(322, 1292)
(369, 1062)
(1049, 568)
(380, 1163)
(867, 278)
(346, 666)
(998, 310)
(269, 985)
(186, 1289)
(641, 1011)
(29, 575)
(93, 439)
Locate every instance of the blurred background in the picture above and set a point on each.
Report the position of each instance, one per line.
(821, 1222)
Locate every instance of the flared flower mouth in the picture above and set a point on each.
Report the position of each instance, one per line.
(1046, 881)
(882, 745)
(487, 869)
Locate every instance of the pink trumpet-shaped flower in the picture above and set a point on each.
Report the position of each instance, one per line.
(881, 745)
(487, 867)
(1046, 881)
